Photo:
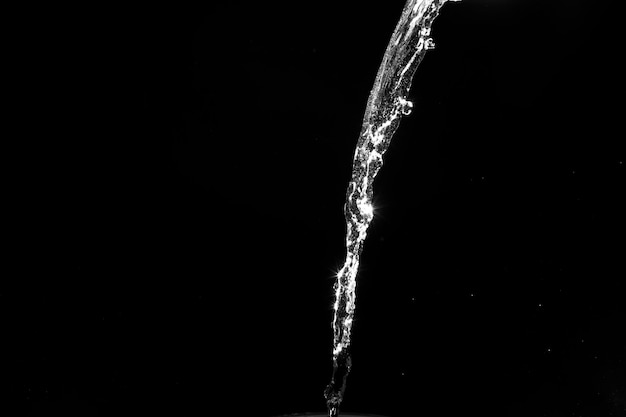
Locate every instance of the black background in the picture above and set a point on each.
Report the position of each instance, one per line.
(182, 245)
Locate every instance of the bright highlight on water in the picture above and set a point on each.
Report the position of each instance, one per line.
(386, 105)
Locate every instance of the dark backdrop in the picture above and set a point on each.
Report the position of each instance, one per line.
(186, 237)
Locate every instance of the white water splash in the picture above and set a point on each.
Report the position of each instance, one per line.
(386, 105)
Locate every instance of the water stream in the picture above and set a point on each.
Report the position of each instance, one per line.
(386, 105)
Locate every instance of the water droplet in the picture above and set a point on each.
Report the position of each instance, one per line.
(406, 106)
